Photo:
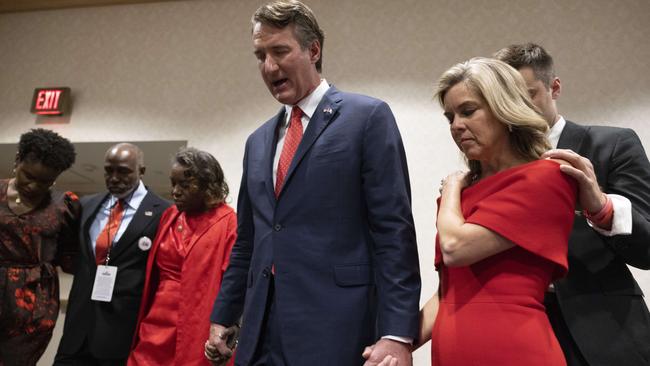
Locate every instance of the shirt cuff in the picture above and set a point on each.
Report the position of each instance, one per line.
(406, 340)
(621, 220)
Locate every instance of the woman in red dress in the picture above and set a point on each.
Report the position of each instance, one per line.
(503, 227)
(38, 231)
(185, 265)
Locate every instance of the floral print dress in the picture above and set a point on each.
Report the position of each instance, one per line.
(31, 245)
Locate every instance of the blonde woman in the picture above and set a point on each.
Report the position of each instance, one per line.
(503, 227)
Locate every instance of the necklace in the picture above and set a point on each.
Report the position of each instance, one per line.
(18, 200)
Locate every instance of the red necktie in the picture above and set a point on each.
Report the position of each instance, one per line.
(291, 142)
(105, 238)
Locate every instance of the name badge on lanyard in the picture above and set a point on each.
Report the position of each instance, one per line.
(105, 274)
(104, 283)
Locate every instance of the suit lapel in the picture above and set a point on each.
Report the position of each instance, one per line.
(572, 137)
(141, 219)
(326, 112)
(271, 142)
(88, 215)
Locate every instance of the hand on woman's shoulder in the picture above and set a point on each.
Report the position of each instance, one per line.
(559, 161)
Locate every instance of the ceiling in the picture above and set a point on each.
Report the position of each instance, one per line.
(87, 174)
(8, 6)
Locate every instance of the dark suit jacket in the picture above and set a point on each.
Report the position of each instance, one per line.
(108, 327)
(601, 302)
(340, 235)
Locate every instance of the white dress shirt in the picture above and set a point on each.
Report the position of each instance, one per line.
(308, 106)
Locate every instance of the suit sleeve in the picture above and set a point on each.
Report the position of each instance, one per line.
(68, 242)
(629, 176)
(387, 193)
(231, 236)
(229, 303)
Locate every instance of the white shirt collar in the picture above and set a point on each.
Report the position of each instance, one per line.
(309, 103)
(554, 132)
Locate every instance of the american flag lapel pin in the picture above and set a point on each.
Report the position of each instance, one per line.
(148, 213)
(327, 110)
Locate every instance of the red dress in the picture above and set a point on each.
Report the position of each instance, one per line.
(184, 271)
(491, 312)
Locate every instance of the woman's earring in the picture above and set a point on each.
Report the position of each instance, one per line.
(13, 172)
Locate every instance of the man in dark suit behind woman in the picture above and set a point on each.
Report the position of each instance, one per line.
(325, 260)
(597, 311)
(99, 332)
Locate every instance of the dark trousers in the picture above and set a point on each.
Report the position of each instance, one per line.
(83, 357)
(569, 347)
(269, 347)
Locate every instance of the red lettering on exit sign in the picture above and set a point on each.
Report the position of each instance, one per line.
(50, 101)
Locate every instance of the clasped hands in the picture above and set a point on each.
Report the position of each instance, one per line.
(221, 343)
(387, 352)
(220, 346)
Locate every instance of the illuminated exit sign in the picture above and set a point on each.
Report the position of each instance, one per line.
(51, 101)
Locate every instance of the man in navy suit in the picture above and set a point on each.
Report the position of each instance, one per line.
(597, 311)
(326, 260)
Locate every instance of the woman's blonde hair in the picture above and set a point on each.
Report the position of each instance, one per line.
(505, 92)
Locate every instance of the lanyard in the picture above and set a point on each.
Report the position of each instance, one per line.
(117, 230)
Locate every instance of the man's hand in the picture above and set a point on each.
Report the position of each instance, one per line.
(218, 349)
(388, 352)
(590, 197)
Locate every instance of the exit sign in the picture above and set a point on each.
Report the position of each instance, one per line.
(51, 101)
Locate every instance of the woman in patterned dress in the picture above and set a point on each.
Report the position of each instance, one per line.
(37, 232)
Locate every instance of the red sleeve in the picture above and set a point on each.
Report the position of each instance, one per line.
(151, 280)
(534, 209)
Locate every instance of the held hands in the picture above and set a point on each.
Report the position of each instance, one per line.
(387, 352)
(221, 343)
(590, 197)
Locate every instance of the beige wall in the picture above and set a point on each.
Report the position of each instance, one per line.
(185, 71)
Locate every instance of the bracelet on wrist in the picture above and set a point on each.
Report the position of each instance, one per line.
(603, 217)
